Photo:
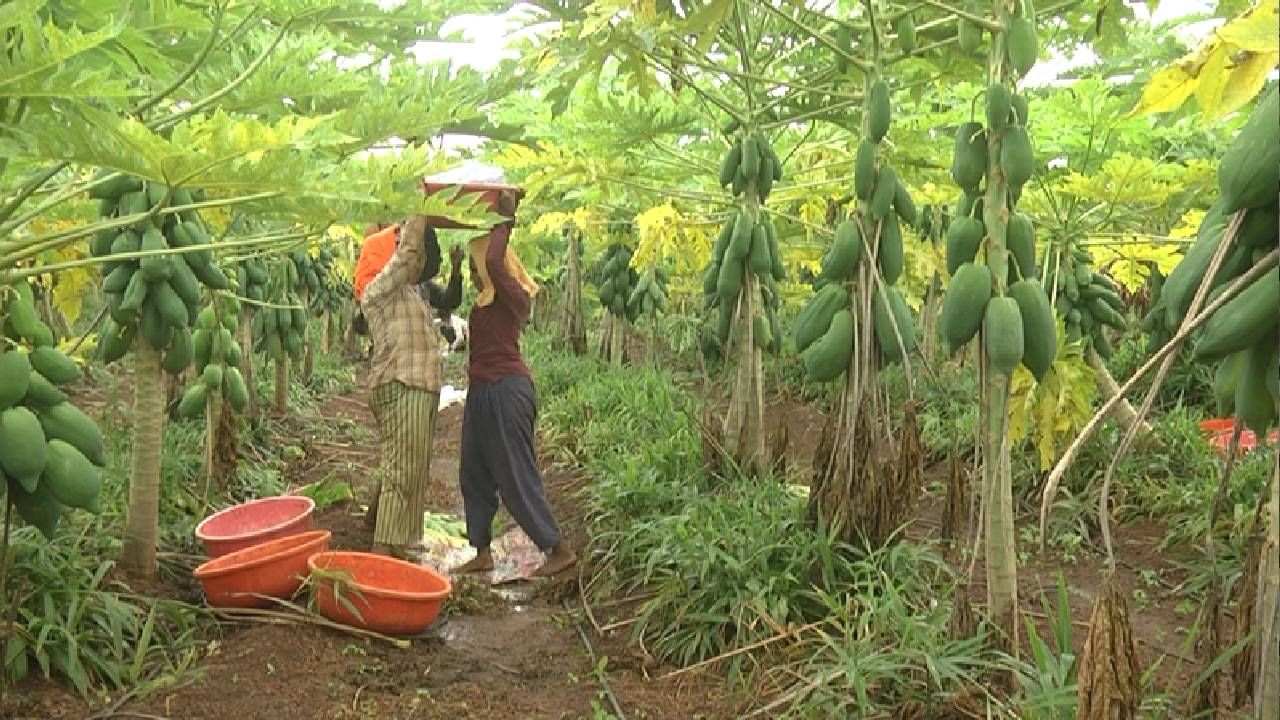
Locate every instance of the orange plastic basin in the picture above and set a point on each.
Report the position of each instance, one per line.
(488, 195)
(256, 521)
(392, 596)
(1219, 431)
(274, 569)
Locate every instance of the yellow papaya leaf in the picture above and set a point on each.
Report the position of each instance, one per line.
(1166, 91)
(1212, 82)
(1246, 80)
(1255, 29)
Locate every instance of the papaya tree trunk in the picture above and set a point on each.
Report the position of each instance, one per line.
(997, 482)
(575, 328)
(282, 385)
(744, 423)
(326, 332)
(138, 552)
(1267, 611)
(246, 362)
(1123, 415)
(213, 425)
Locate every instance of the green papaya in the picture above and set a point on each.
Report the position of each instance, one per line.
(41, 393)
(1243, 321)
(15, 377)
(54, 365)
(761, 261)
(192, 403)
(729, 165)
(864, 169)
(178, 356)
(776, 268)
(134, 295)
(111, 186)
(1255, 405)
(1020, 239)
(969, 35)
(964, 304)
(126, 242)
(115, 341)
(1039, 331)
(1225, 378)
(184, 283)
(71, 478)
(905, 27)
(37, 508)
(891, 258)
(885, 190)
(212, 376)
(887, 316)
(812, 322)
(1020, 111)
(878, 113)
(969, 158)
(729, 283)
(235, 390)
(999, 103)
(67, 422)
(23, 317)
(1016, 158)
(1250, 168)
(118, 279)
(964, 238)
(750, 158)
(1002, 334)
(845, 252)
(1022, 45)
(743, 228)
(23, 451)
(903, 204)
(168, 304)
(212, 276)
(828, 358)
(155, 267)
(155, 331)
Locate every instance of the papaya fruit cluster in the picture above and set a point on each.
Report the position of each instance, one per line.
(1086, 299)
(750, 163)
(324, 292)
(251, 278)
(649, 297)
(156, 296)
(1018, 326)
(1021, 41)
(616, 279)
(1241, 336)
(824, 329)
(279, 329)
(217, 359)
(744, 244)
(51, 453)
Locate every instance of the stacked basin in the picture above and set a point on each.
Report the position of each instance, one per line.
(264, 550)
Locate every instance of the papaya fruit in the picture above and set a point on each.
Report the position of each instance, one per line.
(886, 316)
(845, 252)
(812, 321)
(1020, 110)
(100, 243)
(743, 228)
(905, 27)
(15, 377)
(969, 35)
(1249, 171)
(864, 169)
(118, 279)
(964, 238)
(999, 103)
(126, 242)
(212, 376)
(235, 390)
(108, 185)
(776, 268)
(904, 205)
(729, 282)
(1259, 227)
(1039, 330)
(54, 365)
(192, 403)
(232, 356)
(155, 331)
(885, 190)
(750, 158)
(969, 158)
(1101, 343)
(761, 261)
(1105, 314)
(964, 304)
(1022, 45)
(67, 422)
(1002, 334)
(41, 393)
(1185, 278)
(890, 257)
(724, 323)
(212, 276)
(71, 478)
(184, 283)
(157, 194)
(1255, 406)
(1020, 239)
(168, 304)
(135, 294)
(761, 332)
(1016, 158)
(22, 316)
(155, 267)
(115, 341)
(729, 165)
(178, 356)
(710, 279)
(1225, 377)
(37, 508)
(23, 450)
(828, 358)
(878, 112)
(1245, 320)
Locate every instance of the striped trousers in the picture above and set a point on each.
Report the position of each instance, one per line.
(406, 420)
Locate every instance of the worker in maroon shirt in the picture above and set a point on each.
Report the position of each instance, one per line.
(498, 459)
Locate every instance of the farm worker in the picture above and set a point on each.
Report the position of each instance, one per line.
(379, 245)
(498, 460)
(404, 385)
(443, 301)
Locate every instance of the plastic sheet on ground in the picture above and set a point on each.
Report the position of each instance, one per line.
(449, 395)
(515, 557)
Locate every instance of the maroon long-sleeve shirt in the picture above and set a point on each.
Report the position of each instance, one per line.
(495, 328)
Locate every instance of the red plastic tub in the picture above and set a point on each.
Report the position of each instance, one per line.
(488, 195)
(256, 521)
(1219, 431)
(274, 569)
(391, 596)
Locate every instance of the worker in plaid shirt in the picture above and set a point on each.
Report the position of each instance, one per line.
(404, 386)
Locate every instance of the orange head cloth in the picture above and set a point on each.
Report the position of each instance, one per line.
(478, 248)
(374, 255)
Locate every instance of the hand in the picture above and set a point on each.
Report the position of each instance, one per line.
(507, 202)
(456, 255)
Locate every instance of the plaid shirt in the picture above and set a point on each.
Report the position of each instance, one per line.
(406, 345)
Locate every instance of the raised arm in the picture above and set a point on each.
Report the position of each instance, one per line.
(405, 266)
(507, 290)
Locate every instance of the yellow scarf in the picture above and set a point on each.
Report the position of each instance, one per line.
(479, 247)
